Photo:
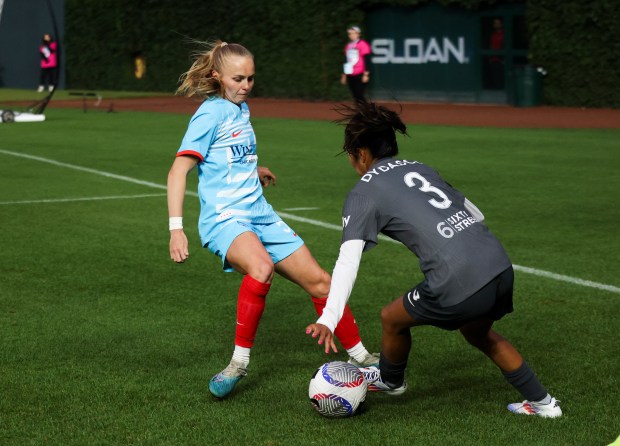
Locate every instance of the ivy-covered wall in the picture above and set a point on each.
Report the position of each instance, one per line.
(578, 43)
(298, 44)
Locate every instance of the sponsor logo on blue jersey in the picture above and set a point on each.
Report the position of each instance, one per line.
(239, 150)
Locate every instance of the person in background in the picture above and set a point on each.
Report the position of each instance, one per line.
(356, 72)
(496, 61)
(468, 277)
(236, 222)
(49, 62)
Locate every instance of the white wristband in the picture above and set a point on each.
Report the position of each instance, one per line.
(175, 223)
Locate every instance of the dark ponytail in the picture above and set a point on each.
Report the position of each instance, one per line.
(371, 126)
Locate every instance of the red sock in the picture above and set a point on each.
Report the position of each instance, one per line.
(250, 306)
(346, 331)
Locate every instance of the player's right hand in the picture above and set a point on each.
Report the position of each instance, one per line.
(325, 336)
(179, 251)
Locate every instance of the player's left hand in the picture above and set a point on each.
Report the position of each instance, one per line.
(266, 177)
(325, 336)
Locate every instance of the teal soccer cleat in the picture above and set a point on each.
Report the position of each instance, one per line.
(224, 382)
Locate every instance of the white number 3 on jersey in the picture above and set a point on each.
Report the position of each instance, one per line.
(428, 189)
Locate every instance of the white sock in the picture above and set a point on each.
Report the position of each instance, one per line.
(545, 400)
(242, 355)
(358, 352)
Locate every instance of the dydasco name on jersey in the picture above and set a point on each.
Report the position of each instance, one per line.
(385, 168)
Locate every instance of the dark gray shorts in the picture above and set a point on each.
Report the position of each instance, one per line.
(493, 301)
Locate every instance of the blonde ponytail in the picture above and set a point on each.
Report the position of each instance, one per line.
(198, 80)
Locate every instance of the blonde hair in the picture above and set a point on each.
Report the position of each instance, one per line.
(199, 80)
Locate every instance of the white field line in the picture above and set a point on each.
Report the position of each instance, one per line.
(301, 209)
(68, 200)
(84, 169)
(569, 279)
(524, 269)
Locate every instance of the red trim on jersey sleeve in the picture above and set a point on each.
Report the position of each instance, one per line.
(191, 153)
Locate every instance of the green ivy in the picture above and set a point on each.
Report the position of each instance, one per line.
(298, 44)
(578, 44)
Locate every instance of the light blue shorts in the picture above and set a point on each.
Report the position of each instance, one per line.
(279, 240)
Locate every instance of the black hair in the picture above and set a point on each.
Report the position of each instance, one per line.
(370, 126)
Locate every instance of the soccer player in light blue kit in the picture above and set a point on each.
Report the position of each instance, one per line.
(236, 223)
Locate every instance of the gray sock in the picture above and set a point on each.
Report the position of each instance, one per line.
(393, 375)
(524, 380)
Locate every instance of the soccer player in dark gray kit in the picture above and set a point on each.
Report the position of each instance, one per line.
(468, 278)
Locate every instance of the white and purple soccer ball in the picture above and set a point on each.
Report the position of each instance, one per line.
(337, 389)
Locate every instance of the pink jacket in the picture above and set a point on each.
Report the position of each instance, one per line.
(355, 52)
(49, 57)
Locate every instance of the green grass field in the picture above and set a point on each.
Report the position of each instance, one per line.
(106, 341)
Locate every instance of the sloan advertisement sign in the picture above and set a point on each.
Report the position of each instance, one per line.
(443, 53)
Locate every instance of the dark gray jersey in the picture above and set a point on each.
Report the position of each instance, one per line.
(409, 202)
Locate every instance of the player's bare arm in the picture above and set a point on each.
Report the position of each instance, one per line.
(177, 179)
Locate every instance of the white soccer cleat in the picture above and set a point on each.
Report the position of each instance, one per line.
(371, 359)
(551, 410)
(372, 375)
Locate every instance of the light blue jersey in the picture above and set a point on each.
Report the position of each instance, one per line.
(221, 136)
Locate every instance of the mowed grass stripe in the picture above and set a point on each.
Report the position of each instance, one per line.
(525, 269)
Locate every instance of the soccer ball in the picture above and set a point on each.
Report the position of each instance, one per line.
(337, 389)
